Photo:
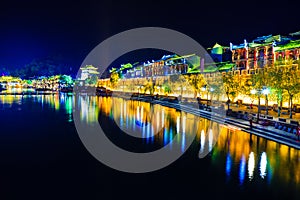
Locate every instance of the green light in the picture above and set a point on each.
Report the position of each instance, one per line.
(226, 66)
(290, 45)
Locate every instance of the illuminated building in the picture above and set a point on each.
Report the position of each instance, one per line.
(88, 71)
(261, 52)
(220, 53)
(239, 62)
(167, 65)
(10, 82)
(264, 51)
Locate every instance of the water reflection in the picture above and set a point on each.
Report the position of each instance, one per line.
(251, 166)
(234, 149)
(244, 158)
(53, 101)
(88, 109)
(202, 141)
(228, 165)
(154, 124)
(274, 162)
(263, 165)
(210, 140)
(7, 101)
(242, 169)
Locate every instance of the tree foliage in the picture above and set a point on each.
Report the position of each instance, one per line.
(291, 85)
(48, 66)
(196, 81)
(114, 78)
(231, 85)
(215, 87)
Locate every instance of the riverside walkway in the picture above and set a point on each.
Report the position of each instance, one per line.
(274, 114)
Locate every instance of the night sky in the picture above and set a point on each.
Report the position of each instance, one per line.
(35, 29)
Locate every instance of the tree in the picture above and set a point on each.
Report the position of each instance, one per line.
(178, 81)
(196, 81)
(66, 80)
(260, 82)
(183, 82)
(231, 85)
(47, 66)
(276, 83)
(92, 80)
(114, 77)
(149, 86)
(166, 87)
(215, 87)
(291, 85)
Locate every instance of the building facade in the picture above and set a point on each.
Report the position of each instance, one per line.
(167, 65)
(265, 51)
(244, 59)
(88, 71)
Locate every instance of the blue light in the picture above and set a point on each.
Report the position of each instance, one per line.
(178, 124)
(171, 137)
(165, 136)
(148, 133)
(183, 142)
(228, 164)
(143, 131)
(132, 122)
(152, 138)
(242, 169)
(121, 117)
(210, 140)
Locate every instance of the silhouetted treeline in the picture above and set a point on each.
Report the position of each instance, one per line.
(40, 67)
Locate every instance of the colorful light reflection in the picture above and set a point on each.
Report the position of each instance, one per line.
(251, 166)
(263, 165)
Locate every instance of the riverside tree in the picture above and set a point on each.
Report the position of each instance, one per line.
(291, 85)
(196, 81)
(260, 82)
(276, 83)
(231, 85)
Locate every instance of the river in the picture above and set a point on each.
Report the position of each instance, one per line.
(41, 152)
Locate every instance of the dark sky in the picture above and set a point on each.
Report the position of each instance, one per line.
(34, 29)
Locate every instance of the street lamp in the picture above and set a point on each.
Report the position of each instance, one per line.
(203, 89)
(211, 94)
(183, 91)
(158, 90)
(258, 92)
(266, 91)
(139, 88)
(253, 91)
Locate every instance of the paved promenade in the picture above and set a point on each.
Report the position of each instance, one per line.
(284, 114)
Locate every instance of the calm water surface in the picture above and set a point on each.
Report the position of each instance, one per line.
(42, 155)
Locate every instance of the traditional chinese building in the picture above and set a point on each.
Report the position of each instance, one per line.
(167, 65)
(88, 71)
(287, 52)
(264, 51)
(219, 53)
(246, 58)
